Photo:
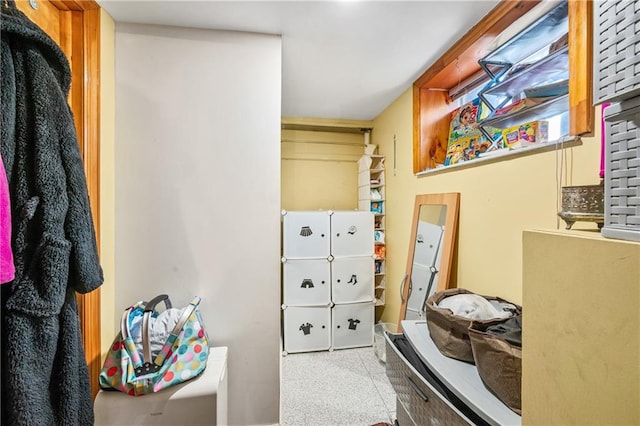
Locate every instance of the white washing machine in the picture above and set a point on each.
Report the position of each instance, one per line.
(201, 401)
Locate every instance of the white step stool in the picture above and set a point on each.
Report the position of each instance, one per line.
(201, 401)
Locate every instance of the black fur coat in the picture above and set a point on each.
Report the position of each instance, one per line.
(44, 374)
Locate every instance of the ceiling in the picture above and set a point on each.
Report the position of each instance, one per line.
(340, 59)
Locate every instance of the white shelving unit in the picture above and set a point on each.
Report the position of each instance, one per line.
(371, 197)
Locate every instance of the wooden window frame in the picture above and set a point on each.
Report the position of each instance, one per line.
(431, 103)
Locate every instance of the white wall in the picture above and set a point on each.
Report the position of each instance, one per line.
(197, 166)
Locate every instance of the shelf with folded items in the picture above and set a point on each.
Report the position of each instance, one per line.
(371, 197)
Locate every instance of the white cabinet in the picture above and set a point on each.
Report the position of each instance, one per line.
(306, 234)
(327, 264)
(351, 234)
(307, 282)
(307, 328)
(352, 325)
(352, 279)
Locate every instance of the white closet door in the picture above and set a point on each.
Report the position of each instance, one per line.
(420, 278)
(352, 325)
(352, 279)
(351, 233)
(307, 328)
(306, 234)
(306, 282)
(427, 243)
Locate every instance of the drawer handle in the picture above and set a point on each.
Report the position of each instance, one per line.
(415, 387)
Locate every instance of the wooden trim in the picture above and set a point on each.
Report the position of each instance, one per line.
(89, 304)
(457, 64)
(434, 119)
(76, 26)
(79, 5)
(582, 112)
(461, 60)
(452, 201)
(325, 124)
(80, 39)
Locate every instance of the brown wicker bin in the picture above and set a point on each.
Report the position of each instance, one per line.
(450, 332)
(499, 364)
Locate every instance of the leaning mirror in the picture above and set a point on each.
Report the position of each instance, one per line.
(433, 233)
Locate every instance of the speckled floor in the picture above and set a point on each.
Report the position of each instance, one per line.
(343, 387)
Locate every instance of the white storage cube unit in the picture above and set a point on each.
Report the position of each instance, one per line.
(307, 328)
(351, 233)
(327, 259)
(307, 282)
(306, 235)
(352, 279)
(352, 325)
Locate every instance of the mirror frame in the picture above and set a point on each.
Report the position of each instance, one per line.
(452, 201)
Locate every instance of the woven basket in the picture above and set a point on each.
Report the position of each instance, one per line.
(449, 332)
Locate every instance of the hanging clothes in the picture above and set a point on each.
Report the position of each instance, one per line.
(7, 270)
(45, 378)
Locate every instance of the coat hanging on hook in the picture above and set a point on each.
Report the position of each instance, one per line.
(45, 378)
(8, 4)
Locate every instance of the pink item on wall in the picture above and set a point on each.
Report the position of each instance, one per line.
(603, 139)
(7, 268)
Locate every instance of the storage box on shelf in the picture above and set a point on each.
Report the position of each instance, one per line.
(615, 79)
(328, 280)
(622, 171)
(616, 43)
(371, 197)
(517, 69)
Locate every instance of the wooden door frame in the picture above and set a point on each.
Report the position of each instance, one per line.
(80, 41)
(88, 122)
(85, 93)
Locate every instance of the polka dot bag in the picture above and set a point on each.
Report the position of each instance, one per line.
(182, 357)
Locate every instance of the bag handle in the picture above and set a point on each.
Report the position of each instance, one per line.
(151, 305)
(185, 315)
(149, 309)
(190, 309)
(146, 318)
(124, 323)
(148, 306)
(125, 332)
